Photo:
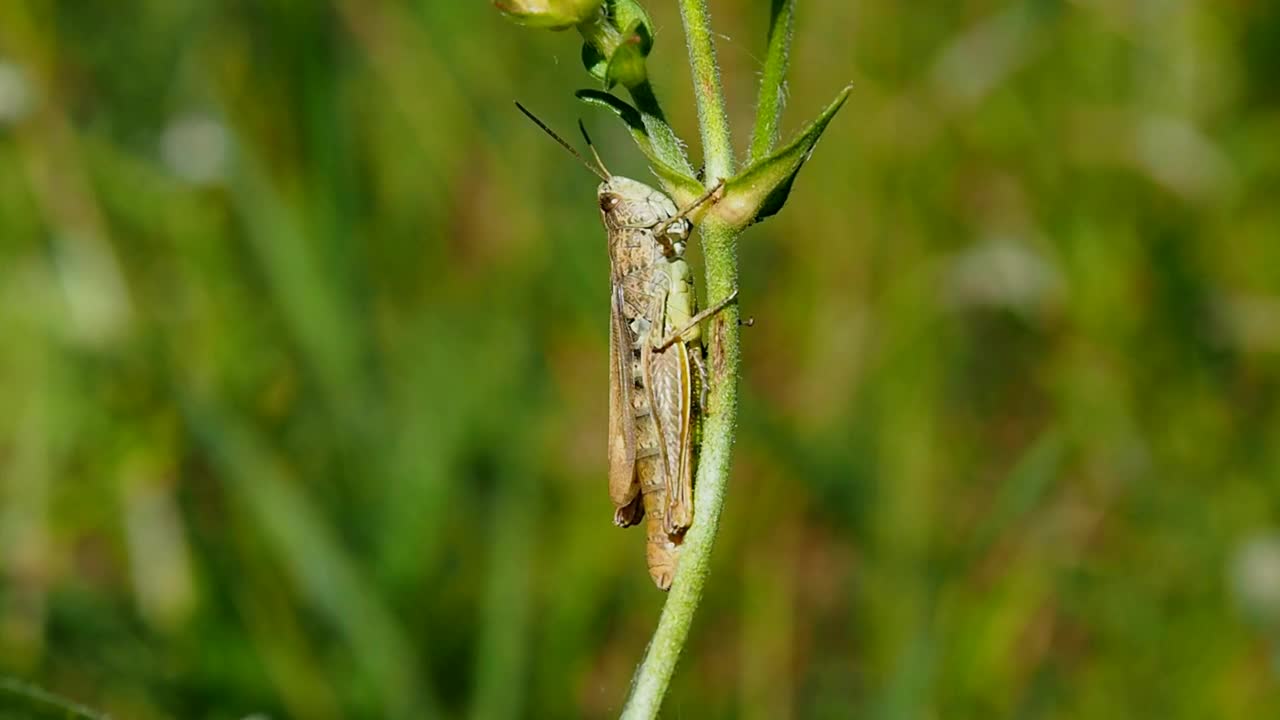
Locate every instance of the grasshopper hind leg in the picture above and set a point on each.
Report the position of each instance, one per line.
(703, 379)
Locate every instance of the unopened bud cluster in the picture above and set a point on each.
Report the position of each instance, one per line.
(616, 34)
(549, 14)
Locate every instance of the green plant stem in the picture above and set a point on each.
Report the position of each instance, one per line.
(720, 249)
(720, 244)
(713, 121)
(773, 95)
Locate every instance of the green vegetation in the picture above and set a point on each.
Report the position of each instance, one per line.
(304, 351)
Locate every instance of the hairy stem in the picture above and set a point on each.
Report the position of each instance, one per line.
(713, 121)
(720, 249)
(720, 244)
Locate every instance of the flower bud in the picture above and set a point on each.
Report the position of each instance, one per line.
(548, 14)
(616, 44)
(627, 65)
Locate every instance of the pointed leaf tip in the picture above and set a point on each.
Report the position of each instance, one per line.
(676, 182)
(762, 188)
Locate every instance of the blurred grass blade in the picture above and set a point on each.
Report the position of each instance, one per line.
(762, 189)
(1027, 483)
(503, 649)
(311, 303)
(323, 572)
(907, 695)
(20, 701)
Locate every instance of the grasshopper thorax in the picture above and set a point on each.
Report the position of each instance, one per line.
(627, 203)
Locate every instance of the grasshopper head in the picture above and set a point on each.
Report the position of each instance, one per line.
(629, 203)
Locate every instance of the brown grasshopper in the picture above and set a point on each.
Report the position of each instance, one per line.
(655, 349)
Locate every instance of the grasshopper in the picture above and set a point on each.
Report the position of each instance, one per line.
(657, 372)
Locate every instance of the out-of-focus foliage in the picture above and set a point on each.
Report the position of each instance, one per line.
(304, 342)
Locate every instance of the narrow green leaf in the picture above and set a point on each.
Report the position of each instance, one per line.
(666, 144)
(762, 189)
(772, 93)
(622, 109)
(681, 186)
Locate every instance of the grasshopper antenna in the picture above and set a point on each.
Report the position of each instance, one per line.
(600, 172)
(591, 146)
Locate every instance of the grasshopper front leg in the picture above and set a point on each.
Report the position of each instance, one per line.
(669, 340)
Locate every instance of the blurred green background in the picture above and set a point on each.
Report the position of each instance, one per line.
(303, 349)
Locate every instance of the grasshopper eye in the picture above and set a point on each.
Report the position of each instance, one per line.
(609, 202)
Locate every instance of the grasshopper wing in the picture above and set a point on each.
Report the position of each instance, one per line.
(669, 381)
(624, 488)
